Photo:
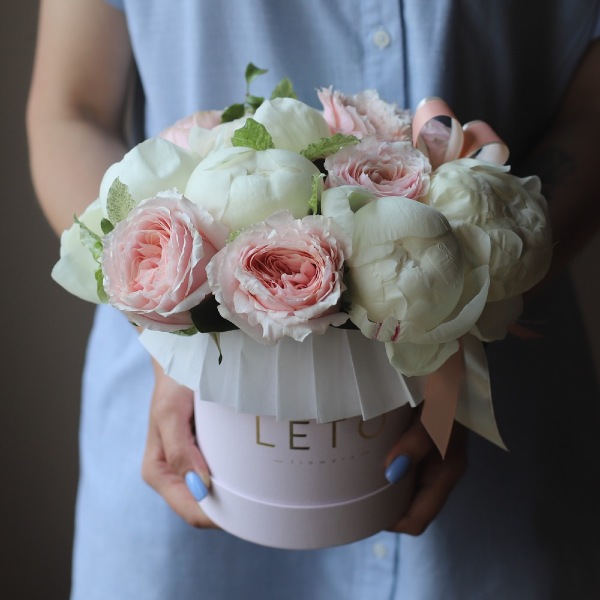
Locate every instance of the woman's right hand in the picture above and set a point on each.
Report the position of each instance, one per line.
(173, 464)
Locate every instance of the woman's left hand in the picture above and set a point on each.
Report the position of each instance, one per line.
(435, 477)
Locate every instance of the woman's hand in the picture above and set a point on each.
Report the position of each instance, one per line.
(173, 465)
(435, 477)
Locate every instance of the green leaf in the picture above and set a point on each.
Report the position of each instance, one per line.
(231, 237)
(119, 202)
(233, 112)
(106, 226)
(284, 89)
(254, 102)
(207, 318)
(253, 135)
(313, 203)
(217, 340)
(252, 71)
(100, 285)
(186, 332)
(93, 242)
(327, 146)
(90, 240)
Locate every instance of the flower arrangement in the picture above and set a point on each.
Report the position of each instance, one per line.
(284, 221)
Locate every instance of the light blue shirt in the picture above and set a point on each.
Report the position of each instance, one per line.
(505, 62)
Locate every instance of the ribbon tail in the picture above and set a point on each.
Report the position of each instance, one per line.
(441, 400)
(475, 409)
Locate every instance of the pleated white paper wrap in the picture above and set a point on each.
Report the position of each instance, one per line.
(338, 375)
(293, 479)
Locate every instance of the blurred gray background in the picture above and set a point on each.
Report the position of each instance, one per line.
(42, 342)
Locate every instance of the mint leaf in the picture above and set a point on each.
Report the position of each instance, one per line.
(313, 203)
(254, 102)
(252, 71)
(233, 235)
(106, 226)
(90, 240)
(186, 332)
(251, 103)
(233, 112)
(252, 135)
(100, 285)
(93, 243)
(327, 146)
(284, 89)
(119, 202)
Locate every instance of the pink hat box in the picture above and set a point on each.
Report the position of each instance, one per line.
(300, 484)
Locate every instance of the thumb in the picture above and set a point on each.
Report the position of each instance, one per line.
(173, 464)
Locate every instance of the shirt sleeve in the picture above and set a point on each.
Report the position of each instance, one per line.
(118, 4)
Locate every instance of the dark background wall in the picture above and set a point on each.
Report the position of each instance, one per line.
(42, 338)
(43, 331)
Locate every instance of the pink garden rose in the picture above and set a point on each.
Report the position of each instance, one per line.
(282, 277)
(385, 168)
(179, 132)
(364, 114)
(154, 261)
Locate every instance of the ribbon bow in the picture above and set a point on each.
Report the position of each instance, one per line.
(460, 388)
(475, 138)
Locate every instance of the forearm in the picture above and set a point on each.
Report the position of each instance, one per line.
(75, 104)
(567, 160)
(68, 159)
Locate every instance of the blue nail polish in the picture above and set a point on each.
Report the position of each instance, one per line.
(195, 485)
(398, 468)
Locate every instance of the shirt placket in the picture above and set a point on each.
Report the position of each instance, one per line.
(383, 43)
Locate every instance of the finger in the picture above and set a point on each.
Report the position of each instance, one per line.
(428, 500)
(413, 446)
(157, 472)
(173, 419)
(171, 450)
(435, 480)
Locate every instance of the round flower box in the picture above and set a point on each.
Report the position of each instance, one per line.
(300, 484)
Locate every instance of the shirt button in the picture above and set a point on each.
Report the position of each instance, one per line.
(382, 39)
(380, 550)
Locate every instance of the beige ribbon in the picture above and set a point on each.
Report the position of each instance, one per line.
(460, 390)
(475, 409)
(441, 400)
(475, 138)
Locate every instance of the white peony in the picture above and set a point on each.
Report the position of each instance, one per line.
(407, 280)
(341, 202)
(510, 211)
(75, 270)
(406, 263)
(153, 166)
(291, 124)
(240, 186)
(203, 141)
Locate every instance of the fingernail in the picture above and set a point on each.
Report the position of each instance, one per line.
(195, 485)
(398, 468)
